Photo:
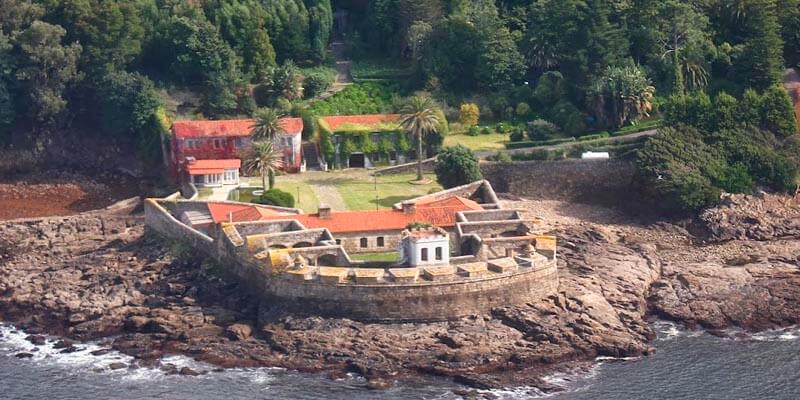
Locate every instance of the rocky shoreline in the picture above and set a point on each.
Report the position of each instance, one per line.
(98, 276)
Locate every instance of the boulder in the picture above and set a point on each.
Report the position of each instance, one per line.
(239, 331)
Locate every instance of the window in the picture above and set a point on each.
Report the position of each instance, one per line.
(338, 241)
(380, 241)
(230, 176)
(217, 144)
(239, 143)
(439, 254)
(364, 242)
(424, 255)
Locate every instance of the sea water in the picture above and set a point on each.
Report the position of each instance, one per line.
(687, 365)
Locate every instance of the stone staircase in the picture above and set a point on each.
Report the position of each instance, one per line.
(311, 156)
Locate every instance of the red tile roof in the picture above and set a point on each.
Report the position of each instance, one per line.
(454, 201)
(203, 167)
(222, 212)
(337, 121)
(370, 221)
(228, 128)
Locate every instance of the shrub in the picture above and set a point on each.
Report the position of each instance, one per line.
(457, 166)
(315, 84)
(500, 128)
(473, 131)
(522, 110)
(778, 112)
(275, 197)
(500, 156)
(541, 130)
(517, 135)
(538, 154)
(600, 135)
(468, 114)
(486, 130)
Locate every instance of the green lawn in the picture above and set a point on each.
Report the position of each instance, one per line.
(492, 141)
(389, 256)
(308, 201)
(361, 194)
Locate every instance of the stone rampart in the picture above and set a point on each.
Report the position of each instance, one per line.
(504, 271)
(595, 181)
(159, 219)
(415, 302)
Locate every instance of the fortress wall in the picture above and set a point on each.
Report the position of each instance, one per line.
(595, 181)
(352, 241)
(418, 302)
(157, 218)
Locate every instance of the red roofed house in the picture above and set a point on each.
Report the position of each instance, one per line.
(213, 172)
(356, 129)
(227, 139)
(360, 231)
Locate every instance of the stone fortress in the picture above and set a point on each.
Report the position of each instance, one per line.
(460, 254)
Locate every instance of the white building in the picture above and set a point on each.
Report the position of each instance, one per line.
(425, 246)
(213, 173)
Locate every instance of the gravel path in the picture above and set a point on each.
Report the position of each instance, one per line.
(616, 139)
(324, 186)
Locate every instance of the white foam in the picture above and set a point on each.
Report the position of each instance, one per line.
(778, 335)
(13, 341)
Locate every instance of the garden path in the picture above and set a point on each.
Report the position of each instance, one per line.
(324, 186)
(616, 139)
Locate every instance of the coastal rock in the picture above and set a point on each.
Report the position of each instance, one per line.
(239, 331)
(78, 277)
(23, 355)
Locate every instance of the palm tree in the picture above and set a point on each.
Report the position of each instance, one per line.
(419, 118)
(263, 158)
(267, 124)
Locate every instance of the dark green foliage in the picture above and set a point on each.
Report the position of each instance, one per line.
(541, 130)
(777, 112)
(772, 111)
(7, 112)
(45, 68)
(315, 84)
(517, 135)
(763, 55)
(679, 170)
(275, 197)
(127, 102)
(457, 166)
(361, 98)
(684, 169)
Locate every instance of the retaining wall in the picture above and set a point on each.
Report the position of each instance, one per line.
(595, 181)
(416, 302)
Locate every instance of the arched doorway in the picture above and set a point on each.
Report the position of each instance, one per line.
(301, 245)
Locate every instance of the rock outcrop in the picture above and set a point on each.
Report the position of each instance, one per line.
(95, 275)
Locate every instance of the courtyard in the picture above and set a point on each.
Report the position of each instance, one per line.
(351, 189)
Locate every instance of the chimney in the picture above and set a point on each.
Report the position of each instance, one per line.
(324, 211)
(409, 207)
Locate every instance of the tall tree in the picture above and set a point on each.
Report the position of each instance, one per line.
(46, 68)
(622, 95)
(262, 158)
(763, 58)
(682, 34)
(267, 125)
(419, 118)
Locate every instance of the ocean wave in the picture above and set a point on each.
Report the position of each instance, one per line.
(14, 341)
(778, 335)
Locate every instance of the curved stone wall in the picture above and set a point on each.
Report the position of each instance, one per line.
(415, 302)
(468, 286)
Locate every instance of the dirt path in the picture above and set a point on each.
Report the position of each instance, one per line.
(343, 75)
(324, 186)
